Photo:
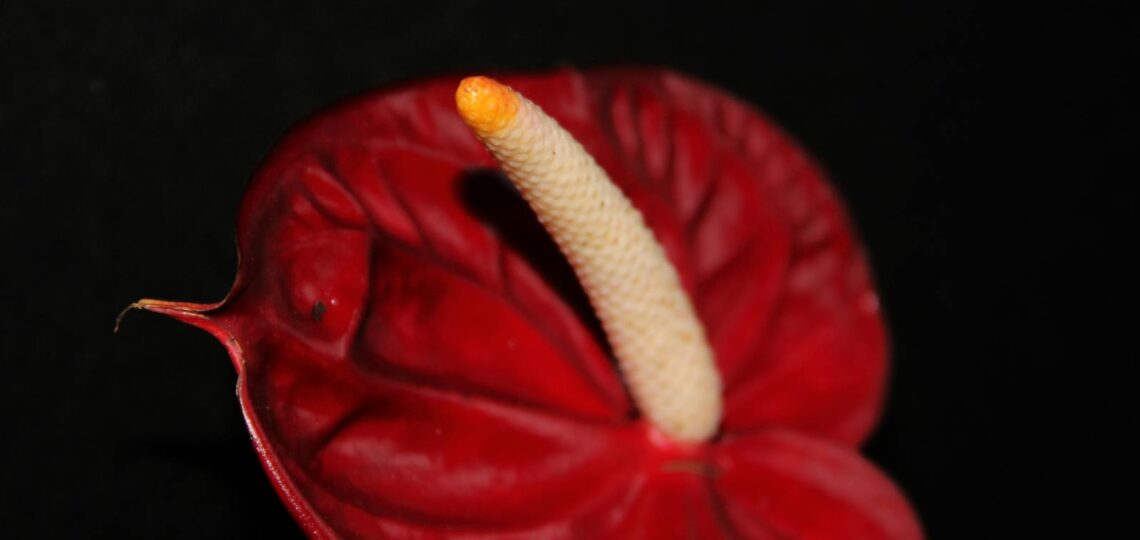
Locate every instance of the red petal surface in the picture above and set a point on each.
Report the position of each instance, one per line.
(416, 358)
(785, 485)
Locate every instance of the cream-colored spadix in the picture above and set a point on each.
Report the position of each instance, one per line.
(659, 343)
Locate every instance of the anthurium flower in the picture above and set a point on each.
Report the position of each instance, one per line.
(614, 304)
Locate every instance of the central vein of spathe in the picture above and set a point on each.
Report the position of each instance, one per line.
(659, 343)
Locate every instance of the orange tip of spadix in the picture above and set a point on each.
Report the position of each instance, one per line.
(485, 104)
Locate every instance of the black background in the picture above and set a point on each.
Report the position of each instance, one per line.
(979, 153)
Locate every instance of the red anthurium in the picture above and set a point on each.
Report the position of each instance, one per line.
(417, 359)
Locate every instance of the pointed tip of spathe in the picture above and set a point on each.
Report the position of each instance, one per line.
(187, 312)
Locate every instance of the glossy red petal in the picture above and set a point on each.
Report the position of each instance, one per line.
(820, 365)
(417, 360)
(432, 458)
(781, 484)
(356, 456)
(669, 504)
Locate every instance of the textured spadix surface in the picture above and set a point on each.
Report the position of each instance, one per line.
(416, 359)
(650, 324)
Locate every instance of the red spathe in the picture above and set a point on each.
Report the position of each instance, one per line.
(415, 358)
